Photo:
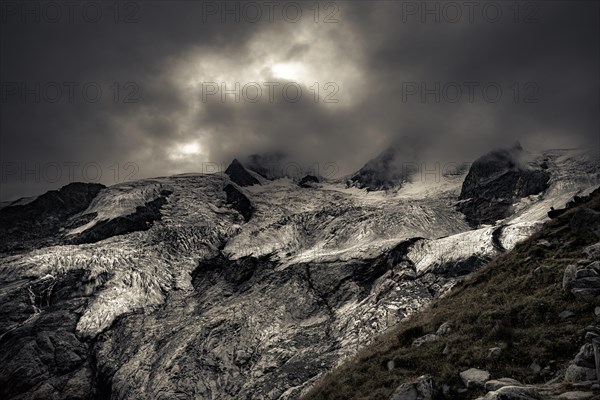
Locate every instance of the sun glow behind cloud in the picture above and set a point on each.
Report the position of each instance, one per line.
(289, 71)
(305, 55)
(185, 150)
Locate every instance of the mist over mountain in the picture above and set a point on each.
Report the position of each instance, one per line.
(392, 168)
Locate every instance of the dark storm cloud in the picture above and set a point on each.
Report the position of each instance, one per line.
(101, 53)
(372, 53)
(558, 54)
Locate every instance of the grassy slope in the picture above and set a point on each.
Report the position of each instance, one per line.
(505, 304)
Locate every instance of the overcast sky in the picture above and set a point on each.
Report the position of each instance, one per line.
(369, 73)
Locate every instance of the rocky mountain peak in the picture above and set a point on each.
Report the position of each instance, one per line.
(240, 175)
(496, 180)
(388, 170)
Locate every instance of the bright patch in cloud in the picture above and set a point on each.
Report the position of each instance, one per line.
(185, 150)
(289, 71)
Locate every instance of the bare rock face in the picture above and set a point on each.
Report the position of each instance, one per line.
(38, 223)
(308, 181)
(392, 168)
(239, 175)
(496, 180)
(141, 220)
(41, 357)
(253, 328)
(239, 202)
(387, 171)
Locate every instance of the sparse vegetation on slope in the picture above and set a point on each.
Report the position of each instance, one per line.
(513, 303)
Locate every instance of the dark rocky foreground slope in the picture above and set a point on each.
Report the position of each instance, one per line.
(519, 329)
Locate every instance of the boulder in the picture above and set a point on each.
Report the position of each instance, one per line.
(586, 294)
(544, 243)
(406, 391)
(425, 387)
(587, 273)
(513, 393)
(592, 251)
(390, 365)
(575, 373)
(496, 384)
(425, 339)
(421, 389)
(494, 353)
(595, 265)
(585, 357)
(475, 378)
(444, 329)
(577, 395)
(566, 314)
(587, 282)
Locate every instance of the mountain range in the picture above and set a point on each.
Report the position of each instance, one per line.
(248, 284)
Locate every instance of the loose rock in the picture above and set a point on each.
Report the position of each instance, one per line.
(421, 389)
(576, 395)
(444, 329)
(425, 339)
(496, 384)
(566, 314)
(474, 377)
(512, 393)
(494, 353)
(575, 373)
